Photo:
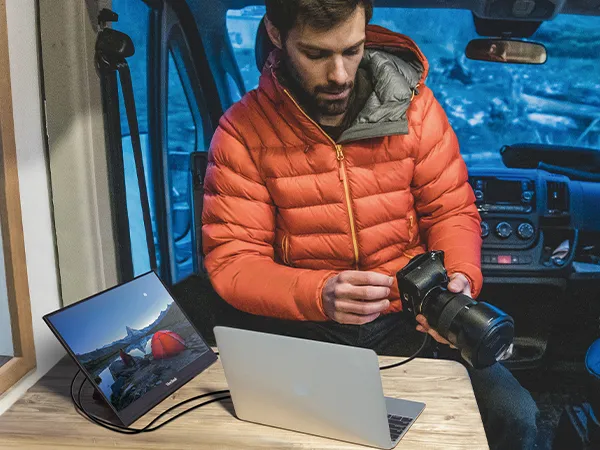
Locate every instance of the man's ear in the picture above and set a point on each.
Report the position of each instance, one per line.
(273, 33)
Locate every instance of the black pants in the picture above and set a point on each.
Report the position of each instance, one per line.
(508, 412)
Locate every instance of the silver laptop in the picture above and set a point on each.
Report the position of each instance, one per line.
(312, 387)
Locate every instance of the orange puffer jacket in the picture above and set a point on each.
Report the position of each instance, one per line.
(286, 207)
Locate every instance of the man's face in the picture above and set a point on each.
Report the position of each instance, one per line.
(324, 65)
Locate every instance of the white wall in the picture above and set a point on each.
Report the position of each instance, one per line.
(33, 183)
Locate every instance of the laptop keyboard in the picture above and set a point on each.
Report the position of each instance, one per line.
(397, 425)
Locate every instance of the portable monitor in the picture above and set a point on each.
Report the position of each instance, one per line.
(134, 344)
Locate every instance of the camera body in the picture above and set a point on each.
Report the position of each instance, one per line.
(482, 332)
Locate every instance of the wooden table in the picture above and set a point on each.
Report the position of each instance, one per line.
(46, 418)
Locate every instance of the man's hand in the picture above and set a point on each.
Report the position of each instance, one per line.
(356, 297)
(425, 328)
(458, 284)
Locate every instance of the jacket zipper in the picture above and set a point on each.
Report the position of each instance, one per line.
(342, 170)
(340, 157)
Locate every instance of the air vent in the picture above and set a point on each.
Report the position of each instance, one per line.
(558, 198)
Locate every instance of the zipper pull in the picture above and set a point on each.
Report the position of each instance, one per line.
(340, 157)
(415, 91)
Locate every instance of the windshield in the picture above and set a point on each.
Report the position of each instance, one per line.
(488, 104)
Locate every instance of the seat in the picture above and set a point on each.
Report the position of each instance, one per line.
(263, 46)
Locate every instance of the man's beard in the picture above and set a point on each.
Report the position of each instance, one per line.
(312, 101)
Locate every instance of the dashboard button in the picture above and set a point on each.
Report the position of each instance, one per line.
(525, 231)
(504, 259)
(485, 229)
(504, 230)
(527, 196)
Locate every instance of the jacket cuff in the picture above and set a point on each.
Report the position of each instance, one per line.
(308, 294)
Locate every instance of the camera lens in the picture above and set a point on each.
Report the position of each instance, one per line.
(481, 331)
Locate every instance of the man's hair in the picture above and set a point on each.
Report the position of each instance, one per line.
(319, 14)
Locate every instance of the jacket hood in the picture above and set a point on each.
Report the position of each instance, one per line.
(399, 45)
(396, 67)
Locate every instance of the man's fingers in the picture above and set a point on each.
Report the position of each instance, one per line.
(353, 319)
(422, 320)
(434, 334)
(365, 293)
(361, 308)
(459, 284)
(455, 286)
(362, 278)
(425, 328)
(356, 297)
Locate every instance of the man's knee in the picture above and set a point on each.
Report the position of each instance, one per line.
(520, 414)
(517, 421)
(509, 412)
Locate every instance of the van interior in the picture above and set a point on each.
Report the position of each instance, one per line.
(162, 72)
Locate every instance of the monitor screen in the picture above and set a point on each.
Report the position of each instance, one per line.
(134, 343)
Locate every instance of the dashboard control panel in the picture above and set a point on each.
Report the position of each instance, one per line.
(504, 195)
(507, 207)
(525, 215)
(509, 221)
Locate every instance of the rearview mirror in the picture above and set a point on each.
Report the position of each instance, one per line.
(506, 51)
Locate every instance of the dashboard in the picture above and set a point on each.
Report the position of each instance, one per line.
(534, 223)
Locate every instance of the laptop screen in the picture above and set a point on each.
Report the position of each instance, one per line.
(134, 343)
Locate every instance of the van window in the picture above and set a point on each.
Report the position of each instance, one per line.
(242, 25)
(180, 126)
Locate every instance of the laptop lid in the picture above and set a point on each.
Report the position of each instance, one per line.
(134, 343)
(314, 387)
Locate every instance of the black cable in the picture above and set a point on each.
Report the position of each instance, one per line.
(425, 342)
(148, 428)
(125, 430)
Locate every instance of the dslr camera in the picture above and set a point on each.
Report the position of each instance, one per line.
(481, 332)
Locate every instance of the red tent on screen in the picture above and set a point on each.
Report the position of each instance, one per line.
(166, 344)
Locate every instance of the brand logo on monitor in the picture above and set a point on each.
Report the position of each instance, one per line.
(170, 382)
